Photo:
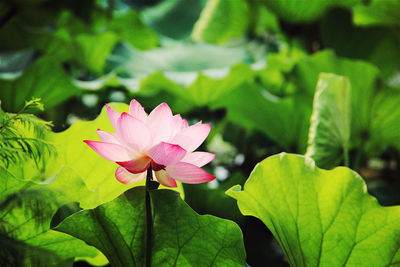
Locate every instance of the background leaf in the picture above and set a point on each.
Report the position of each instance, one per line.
(91, 55)
(13, 63)
(163, 17)
(362, 77)
(44, 79)
(253, 107)
(329, 135)
(377, 12)
(221, 21)
(385, 124)
(128, 26)
(338, 32)
(210, 60)
(295, 11)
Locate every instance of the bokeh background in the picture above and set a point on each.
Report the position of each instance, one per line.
(248, 67)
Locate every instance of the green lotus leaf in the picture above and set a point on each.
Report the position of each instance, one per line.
(93, 49)
(378, 12)
(45, 79)
(385, 125)
(295, 11)
(128, 26)
(379, 42)
(330, 121)
(319, 217)
(221, 21)
(283, 119)
(362, 76)
(163, 17)
(180, 237)
(27, 210)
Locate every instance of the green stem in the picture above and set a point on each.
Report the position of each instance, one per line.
(149, 218)
(11, 118)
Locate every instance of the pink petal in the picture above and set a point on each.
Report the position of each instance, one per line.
(185, 124)
(109, 151)
(126, 177)
(166, 154)
(137, 111)
(164, 179)
(134, 132)
(176, 125)
(136, 165)
(108, 137)
(198, 158)
(159, 122)
(188, 173)
(113, 116)
(191, 138)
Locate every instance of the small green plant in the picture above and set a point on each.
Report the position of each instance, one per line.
(22, 136)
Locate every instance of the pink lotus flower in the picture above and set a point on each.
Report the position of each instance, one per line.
(161, 139)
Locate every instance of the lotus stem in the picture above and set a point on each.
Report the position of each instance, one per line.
(149, 218)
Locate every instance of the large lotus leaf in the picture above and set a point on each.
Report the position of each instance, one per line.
(329, 134)
(180, 236)
(362, 77)
(377, 12)
(296, 11)
(285, 120)
(319, 217)
(385, 123)
(221, 21)
(45, 79)
(28, 208)
(97, 173)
